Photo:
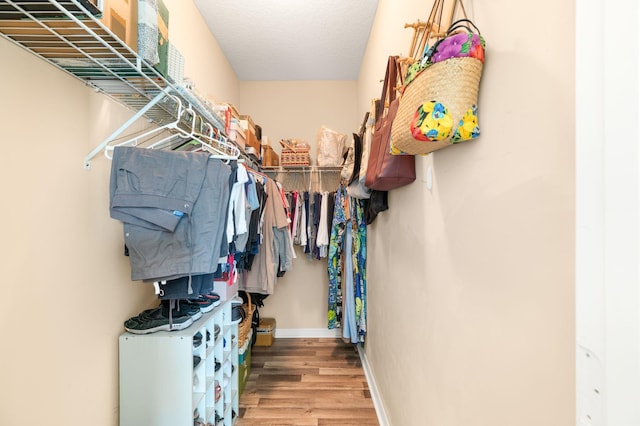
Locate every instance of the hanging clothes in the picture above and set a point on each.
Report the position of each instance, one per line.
(258, 201)
(322, 239)
(347, 267)
(149, 187)
(334, 268)
(359, 254)
(275, 253)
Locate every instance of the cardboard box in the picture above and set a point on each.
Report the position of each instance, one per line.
(266, 332)
(269, 157)
(121, 17)
(249, 123)
(225, 289)
(252, 141)
(237, 135)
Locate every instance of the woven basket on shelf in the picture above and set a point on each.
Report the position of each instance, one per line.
(294, 153)
(245, 324)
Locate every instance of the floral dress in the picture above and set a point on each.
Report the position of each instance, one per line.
(348, 231)
(334, 267)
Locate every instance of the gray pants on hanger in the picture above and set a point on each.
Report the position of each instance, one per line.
(194, 247)
(154, 188)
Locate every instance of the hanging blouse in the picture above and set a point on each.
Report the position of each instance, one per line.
(275, 253)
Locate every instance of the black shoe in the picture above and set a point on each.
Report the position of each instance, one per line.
(155, 320)
(182, 307)
(197, 340)
(238, 314)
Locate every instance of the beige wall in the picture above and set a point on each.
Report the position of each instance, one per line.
(297, 109)
(473, 324)
(66, 285)
(205, 62)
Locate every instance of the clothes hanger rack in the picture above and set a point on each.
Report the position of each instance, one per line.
(216, 146)
(309, 178)
(258, 174)
(207, 140)
(151, 133)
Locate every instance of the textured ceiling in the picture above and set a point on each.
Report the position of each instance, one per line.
(291, 39)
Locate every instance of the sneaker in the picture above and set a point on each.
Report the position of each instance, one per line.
(181, 306)
(213, 296)
(216, 331)
(205, 304)
(217, 366)
(196, 360)
(155, 320)
(238, 314)
(190, 309)
(197, 340)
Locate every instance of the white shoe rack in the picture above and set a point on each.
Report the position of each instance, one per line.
(159, 384)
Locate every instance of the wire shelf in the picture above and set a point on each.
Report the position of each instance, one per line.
(70, 35)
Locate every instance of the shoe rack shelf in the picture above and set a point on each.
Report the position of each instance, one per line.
(162, 385)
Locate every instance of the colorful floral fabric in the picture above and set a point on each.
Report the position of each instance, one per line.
(360, 265)
(349, 225)
(334, 267)
(431, 122)
(459, 45)
(468, 126)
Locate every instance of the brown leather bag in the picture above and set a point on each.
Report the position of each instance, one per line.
(385, 171)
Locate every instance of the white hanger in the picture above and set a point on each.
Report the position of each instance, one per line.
(218, 148)
(134, 141)
(181, 133)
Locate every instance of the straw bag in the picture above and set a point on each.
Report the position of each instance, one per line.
(438, 106)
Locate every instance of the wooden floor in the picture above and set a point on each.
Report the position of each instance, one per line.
(306, 382)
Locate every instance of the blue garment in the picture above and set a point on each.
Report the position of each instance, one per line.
(334, 259)
(349, 329)
(179, 288)
(349, 243)
(252, 194)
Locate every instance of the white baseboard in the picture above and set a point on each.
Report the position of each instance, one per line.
(373, 388)
(316, 333)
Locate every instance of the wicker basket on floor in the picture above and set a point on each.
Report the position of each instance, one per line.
(245, 324)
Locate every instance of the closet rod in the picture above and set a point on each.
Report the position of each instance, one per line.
(303, 169)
